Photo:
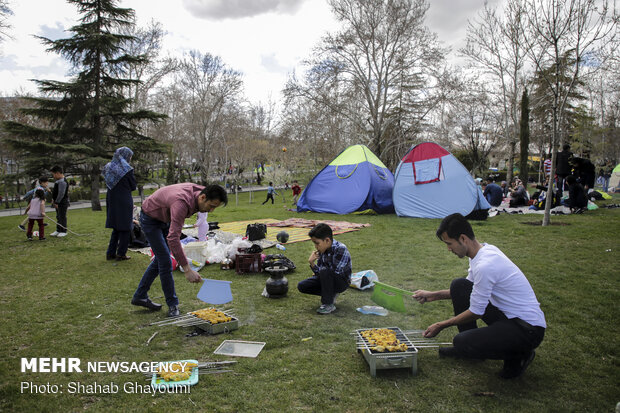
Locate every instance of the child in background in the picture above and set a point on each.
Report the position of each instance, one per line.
(202, 225)
(270, 193)
(42, 183)
(331, 265)
(36, 212)
(296, 191)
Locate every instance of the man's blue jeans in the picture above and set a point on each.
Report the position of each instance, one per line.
(156, 232)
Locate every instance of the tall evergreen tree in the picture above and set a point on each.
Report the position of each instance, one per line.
(524, 135)
(88, 116)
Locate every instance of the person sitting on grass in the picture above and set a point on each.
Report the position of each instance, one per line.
(577, 199)
(331, 265)
(493, 192)
(495, 290)
(518, 196)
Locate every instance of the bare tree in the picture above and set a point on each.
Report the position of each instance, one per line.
(210, 85)
(146, 41)
(379, 67)
(555, 30)
(5, 12)
(475, 124)
(495, 44)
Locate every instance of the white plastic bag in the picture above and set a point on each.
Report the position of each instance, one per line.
(364, 279)
(233, 248)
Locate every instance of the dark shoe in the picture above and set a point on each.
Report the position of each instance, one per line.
(146, 302)
(42, 239)
(450, 352)
(29, 238)
(23, 228)
(110, 257)
(174, 311)
(123, 258)
(514, 369)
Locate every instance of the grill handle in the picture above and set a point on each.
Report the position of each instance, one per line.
(396, 361)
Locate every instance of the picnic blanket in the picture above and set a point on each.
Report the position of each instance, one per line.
(297, 228)
(559, 210)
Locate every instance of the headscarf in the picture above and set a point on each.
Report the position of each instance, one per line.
(114, 170)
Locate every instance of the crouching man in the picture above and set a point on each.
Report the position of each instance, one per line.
(495, 290)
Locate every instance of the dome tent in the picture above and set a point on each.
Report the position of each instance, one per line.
(431, 183)
(356, 180)
(614, 181)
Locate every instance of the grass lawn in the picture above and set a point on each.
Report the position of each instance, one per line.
(61, 298)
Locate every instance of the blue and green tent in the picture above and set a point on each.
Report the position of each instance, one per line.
(355, 181)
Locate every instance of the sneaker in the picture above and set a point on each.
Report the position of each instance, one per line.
(61, 234)
(173, 311)
(326, 309)
(516, 368)
(54, 234)
(20, 226)
(42, 239)
(29, 238)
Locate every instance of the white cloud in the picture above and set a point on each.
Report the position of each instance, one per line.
(235, 9)
(263, 39)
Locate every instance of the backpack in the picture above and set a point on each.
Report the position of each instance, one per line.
(255, 231)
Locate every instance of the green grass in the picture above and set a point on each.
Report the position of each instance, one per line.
(53, 291)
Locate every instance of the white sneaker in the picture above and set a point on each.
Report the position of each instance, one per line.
(61, 234)
(326, 309)
(54, 234)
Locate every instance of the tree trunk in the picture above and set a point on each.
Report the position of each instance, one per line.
(94, 188)
(547, 217)
(511, 159)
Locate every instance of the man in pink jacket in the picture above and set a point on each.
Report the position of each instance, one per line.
(162, 218)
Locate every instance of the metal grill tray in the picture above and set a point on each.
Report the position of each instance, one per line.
(219, 327)
(239, 348)
(388, 360)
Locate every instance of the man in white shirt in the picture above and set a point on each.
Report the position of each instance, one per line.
(495, 290)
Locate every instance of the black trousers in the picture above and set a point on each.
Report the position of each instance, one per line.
(119, 242)
(61, 217)
(269, 196)
(326, 284)
(503, 338)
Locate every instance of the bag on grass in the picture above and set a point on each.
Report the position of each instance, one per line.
(364, 279)
(256, 231)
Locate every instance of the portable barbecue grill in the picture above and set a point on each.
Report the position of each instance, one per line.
(407, 359)
(191, 320)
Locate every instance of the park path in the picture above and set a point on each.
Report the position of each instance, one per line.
(87, 204)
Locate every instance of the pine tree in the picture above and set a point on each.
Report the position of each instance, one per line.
(524, 135)
(88, 116)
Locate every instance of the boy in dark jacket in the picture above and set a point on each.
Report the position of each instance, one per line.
(331, 265)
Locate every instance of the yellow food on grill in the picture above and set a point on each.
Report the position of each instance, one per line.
(176, 371)
(383, 339)
(212, 315)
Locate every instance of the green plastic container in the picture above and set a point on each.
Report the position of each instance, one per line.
(193, 379)
(389, 297)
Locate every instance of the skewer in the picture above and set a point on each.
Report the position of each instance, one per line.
(214, 372)
(152, 337)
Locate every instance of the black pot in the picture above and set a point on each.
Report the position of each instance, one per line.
(277, 284)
